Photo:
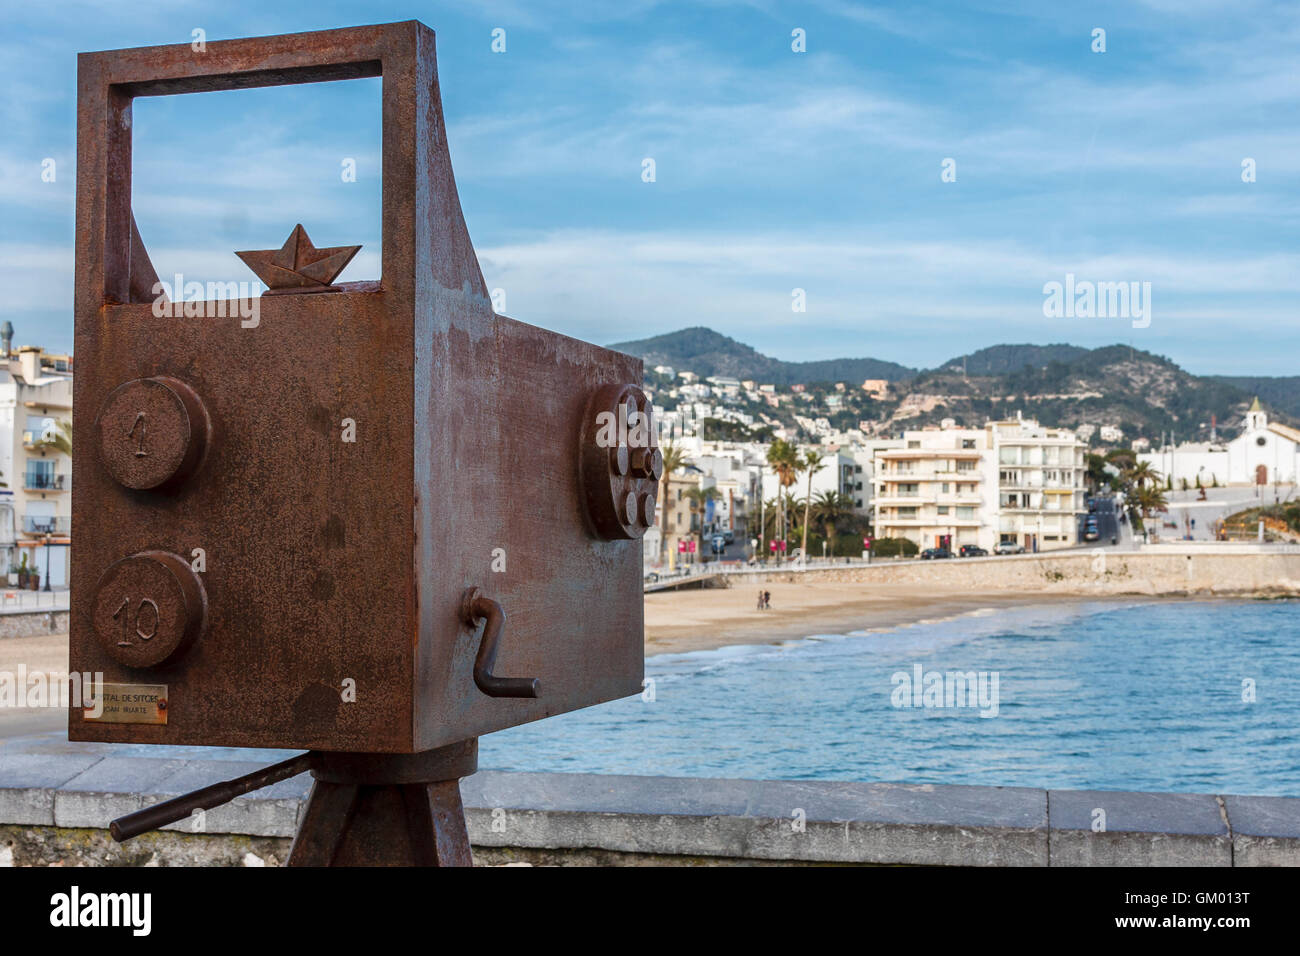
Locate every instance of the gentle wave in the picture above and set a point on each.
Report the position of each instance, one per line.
(1142, 695)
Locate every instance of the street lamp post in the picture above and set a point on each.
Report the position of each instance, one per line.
(47, 562)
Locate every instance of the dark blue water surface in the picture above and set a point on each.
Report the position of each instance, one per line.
(1119, 696)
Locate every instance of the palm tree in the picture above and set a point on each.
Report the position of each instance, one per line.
(784, 459)
(812, 463)
(700, 497)
(791, 508)
(674, 460)
(1148, 499)
(828, 508)
(1142, 472)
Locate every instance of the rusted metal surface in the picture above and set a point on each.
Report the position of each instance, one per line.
(620, 464)
(148, 609)
(298, 266)
(151, 432)
(330, 563)
(277, 522)
(387, 810)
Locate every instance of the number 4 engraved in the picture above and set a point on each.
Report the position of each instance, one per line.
(139, 423)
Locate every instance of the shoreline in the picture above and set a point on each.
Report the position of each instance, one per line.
(683, 621)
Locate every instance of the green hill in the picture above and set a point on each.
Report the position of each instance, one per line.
(1061, 385)
(706, 353)
(1282, 393)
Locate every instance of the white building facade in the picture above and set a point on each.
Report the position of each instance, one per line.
(1264, 453)
(35, 504)
(1012, 481)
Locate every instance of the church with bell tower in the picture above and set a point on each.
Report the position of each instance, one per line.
(1265, 453)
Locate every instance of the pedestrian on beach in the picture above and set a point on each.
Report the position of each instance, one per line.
(760, 599)
(767, 599)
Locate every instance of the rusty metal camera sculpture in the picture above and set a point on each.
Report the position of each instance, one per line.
(202, 437)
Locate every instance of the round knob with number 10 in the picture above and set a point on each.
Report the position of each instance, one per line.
(148, 608)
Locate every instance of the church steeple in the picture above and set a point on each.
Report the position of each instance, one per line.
(1256, 420)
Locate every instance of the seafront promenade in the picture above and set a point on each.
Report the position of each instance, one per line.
(56, 799)
(1175, 568)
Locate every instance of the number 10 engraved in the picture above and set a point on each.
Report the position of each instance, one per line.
(139, 617)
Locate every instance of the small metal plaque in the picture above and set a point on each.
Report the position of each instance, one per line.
(131, 704)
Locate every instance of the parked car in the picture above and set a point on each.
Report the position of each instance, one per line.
(729, 536)
(934, 553)
(1008, 547)
(971, 551)
(1090, 533)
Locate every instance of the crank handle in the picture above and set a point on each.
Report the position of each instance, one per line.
(474, 606)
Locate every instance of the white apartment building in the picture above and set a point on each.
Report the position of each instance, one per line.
(1011, 481)
(935, 489)
(35, 504)
(1040, 482)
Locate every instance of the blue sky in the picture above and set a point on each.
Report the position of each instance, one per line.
(775, 170)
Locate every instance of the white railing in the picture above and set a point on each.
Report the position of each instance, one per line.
(13, 600)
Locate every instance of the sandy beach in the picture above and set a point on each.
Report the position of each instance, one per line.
(703, 619)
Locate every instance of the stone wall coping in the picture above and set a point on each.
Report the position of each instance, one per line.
(48, 781)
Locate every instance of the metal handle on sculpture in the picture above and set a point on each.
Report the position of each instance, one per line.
(474, 607)
(178, 808)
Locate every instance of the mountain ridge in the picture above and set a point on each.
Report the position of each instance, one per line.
(1061, 384)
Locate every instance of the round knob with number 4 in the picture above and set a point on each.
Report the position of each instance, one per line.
(148, 608)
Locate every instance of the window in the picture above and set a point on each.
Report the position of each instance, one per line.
(965, 466)
(914, 444)
(943, 509)
(968, 443)
(943, 488)
(965, 511)
(906, 512)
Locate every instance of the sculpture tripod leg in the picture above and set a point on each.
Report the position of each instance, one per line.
(387, 810)
(364, 809)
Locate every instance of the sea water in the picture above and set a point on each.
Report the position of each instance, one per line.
(1191, 696)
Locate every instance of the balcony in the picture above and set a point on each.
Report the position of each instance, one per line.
(47, 524)
(45, 481)
(928, 521)
(886, 499)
